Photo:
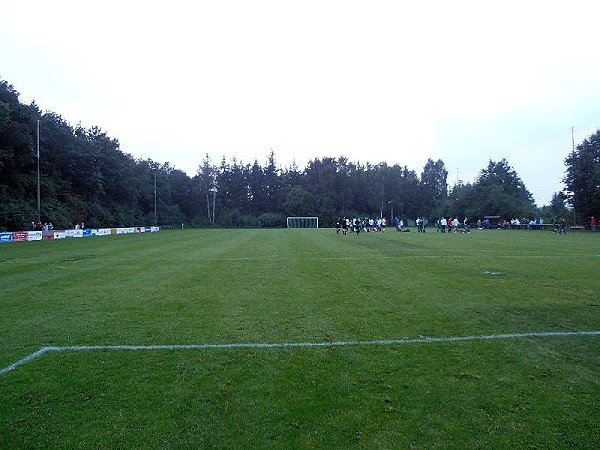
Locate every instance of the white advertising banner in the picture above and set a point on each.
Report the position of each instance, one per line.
(73, 233)
(34, 235)
(20, 236)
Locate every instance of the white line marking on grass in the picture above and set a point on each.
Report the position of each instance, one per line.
(258, 345)
(20, 362)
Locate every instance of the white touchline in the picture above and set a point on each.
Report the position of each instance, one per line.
(420, 340)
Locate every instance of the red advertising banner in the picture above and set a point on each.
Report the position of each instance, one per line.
(20, 236)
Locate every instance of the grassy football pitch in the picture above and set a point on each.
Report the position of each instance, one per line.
(301, 339)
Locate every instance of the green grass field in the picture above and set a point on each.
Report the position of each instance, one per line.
(198, 287)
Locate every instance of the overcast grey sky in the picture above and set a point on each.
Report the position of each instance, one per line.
(465, 81)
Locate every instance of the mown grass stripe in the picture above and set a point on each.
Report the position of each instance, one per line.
(258, 345)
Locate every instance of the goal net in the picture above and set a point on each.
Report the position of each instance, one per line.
(303, 222)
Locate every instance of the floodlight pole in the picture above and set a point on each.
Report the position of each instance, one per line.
(155, 217)
(39, 201)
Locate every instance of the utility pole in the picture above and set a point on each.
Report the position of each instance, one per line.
(155, 218)
(573, 149)
(39, 198)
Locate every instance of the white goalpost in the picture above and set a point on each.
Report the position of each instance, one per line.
(303, 222)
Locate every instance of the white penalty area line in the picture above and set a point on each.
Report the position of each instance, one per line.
(258, 345)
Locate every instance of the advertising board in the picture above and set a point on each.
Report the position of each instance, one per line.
(6, 237)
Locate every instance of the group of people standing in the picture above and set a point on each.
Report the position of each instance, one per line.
(41, 227)
(50, 226)
(445, 225)
(453, 225)
(421, 223)
(358, 224)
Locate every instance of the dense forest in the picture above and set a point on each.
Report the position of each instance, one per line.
(84, 176)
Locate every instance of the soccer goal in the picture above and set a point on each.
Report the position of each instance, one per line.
(303, 222)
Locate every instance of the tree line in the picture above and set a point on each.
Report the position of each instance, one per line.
(85, 177)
